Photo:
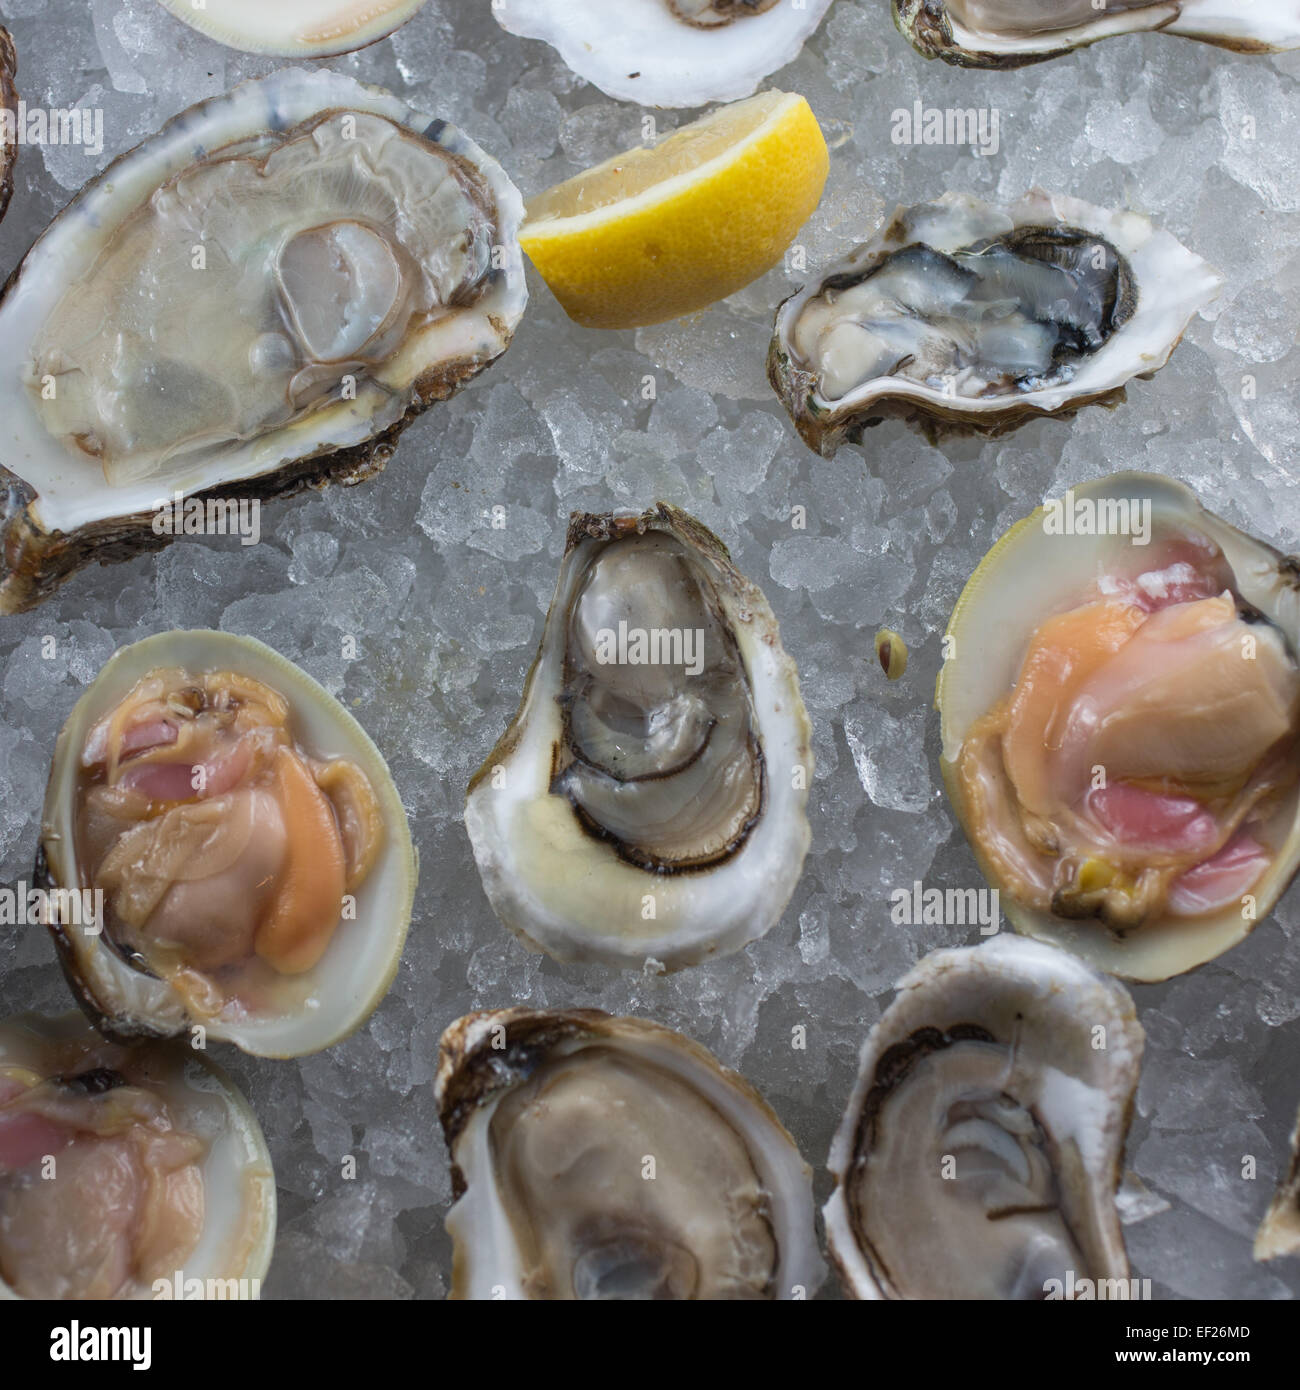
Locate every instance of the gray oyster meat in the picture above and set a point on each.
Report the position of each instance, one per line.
(257, 299)
(961, 317)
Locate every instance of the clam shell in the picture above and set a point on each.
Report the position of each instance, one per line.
(357, 969)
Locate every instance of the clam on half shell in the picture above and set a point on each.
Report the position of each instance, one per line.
(1011, 33)
(961, 317)
(668, 52)
(1120, 725)
(647, 800)
(8, 109)
(255, 300)
(256, 870)
(295, 28)
(612, 1158)
(160, 1169)
(981, 1151)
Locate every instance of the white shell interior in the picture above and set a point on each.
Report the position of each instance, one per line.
(638, 50)
(362, 958)
(71, 491)
(295, 28)
(1030, 575)
(1172, 283)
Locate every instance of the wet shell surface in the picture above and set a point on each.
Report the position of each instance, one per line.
(295, 28)
(1161, 820)
(980, 1153)
(1011, 33)
(961, 317)
(291, 997)
(596, 1157)
(330, 262)
(104, 1113)
(8, 108)
(647, 801)
(668, 52)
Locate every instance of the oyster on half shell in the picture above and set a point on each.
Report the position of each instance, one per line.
(962, 317)
(257, 299)
(161, 1174)
(241, 845)
(981, 1151)
(295, 28)
(1120, 713)
(647, 800)
(668, 52)
(1011, 33)
(612, 1158)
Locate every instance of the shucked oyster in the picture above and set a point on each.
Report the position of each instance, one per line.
(963, 317)
(257, 299)
(669, 52)
(1010, 33)
(133, 1172)
(247, 851)
(1279, 1232)
(981, 1151)
(647, 800)
(8, 118)
(1120, 708)
(295, 28)
(611, 1158)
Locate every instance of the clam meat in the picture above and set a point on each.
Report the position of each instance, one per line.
(1120, 708)
(244, 850)
(126, 1172)
(612, 1158)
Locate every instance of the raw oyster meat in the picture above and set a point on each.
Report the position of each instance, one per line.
(962, 317)
(246, 852)
(612, 1158)
(1011, 33)
(668, 52)
(1279, 1232)
(295, 28)
(981, 1151)
(647, 800)
(257, 299)
(1120, 708)
(126, 1172)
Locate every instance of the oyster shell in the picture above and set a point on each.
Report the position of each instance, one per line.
(158, 1167)
(1119, 721)
(668, 52)
(295, 28)
(328, 263)
(611, 1158)
(251, 854)
(962, 317)
(647, 800)
(8, 113)
(1279, 1232)
(981, 1151)
(1011, 33)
